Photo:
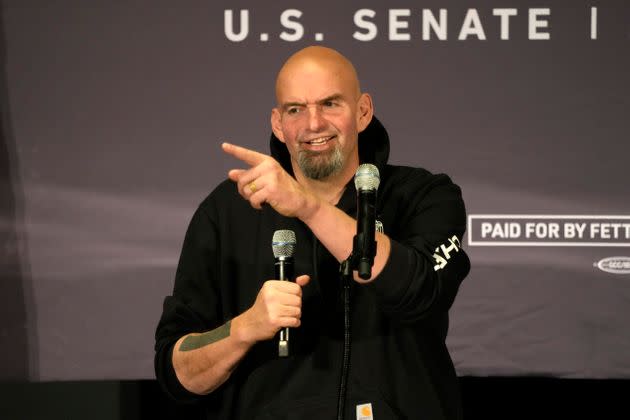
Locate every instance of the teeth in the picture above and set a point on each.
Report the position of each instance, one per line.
(319, 141)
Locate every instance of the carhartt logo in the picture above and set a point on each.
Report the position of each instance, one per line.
(444, 251)
(614, 265)
(364, 412)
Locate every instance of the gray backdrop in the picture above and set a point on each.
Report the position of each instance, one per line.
(113, 113)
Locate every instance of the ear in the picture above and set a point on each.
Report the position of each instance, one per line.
(365, 111)
(276, 124)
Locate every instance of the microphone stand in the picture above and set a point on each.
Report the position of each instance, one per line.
(346, 269)
(345, 272)
(361, 260)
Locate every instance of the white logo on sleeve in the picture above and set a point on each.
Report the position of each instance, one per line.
(443, 252)
(364, 412)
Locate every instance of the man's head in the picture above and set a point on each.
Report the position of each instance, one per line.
(320, 112)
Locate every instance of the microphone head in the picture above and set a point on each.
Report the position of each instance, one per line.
(283, 243)
(367, 177)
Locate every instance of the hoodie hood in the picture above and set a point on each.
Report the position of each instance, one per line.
(373, 147)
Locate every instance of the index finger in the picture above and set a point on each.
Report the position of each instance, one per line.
(251, 157)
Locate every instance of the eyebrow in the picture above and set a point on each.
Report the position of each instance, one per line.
(333, 97)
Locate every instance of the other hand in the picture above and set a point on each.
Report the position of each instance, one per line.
(278, 305)
(267, 182)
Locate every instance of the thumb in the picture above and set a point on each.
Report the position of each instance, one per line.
(235, 174)
(303, 280)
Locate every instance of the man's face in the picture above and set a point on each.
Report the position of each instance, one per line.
(317, 119)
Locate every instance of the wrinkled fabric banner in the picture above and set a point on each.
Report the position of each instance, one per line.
(113, 113)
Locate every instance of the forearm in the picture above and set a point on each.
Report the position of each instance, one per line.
(336, 230)
(202, 362)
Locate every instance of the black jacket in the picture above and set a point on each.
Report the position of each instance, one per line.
(399, 360)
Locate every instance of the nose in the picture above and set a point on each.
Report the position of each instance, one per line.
(315, 119)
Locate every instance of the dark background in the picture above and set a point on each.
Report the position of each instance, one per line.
(484, 398)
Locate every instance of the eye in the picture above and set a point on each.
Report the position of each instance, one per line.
(329, 104)
(293, 110)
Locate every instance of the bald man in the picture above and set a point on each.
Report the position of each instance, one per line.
(214, 342)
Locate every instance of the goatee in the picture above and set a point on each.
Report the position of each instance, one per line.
(320, 165)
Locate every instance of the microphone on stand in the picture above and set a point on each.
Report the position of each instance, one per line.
(366, 181)
(283, 245)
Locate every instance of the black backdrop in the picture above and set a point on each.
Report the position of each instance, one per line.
(484, 399)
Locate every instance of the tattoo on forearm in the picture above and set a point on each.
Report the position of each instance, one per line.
(197, 341)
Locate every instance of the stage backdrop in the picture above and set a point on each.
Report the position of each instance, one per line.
(113, 113)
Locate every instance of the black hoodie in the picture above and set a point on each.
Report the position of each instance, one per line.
(399, 361)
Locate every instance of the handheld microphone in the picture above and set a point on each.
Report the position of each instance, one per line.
(283, 245)
(366, 181)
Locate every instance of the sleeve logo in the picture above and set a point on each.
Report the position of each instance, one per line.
(443, 252)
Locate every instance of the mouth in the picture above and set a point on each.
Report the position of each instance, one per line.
(319, 141)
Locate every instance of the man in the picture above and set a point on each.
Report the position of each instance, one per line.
(215, 341)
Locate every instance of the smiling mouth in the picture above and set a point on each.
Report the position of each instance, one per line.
(319, 141)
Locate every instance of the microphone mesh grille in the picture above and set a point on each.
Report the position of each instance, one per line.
(283, 243)
(367, 177)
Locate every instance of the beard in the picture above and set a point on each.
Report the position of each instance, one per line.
(320, 165)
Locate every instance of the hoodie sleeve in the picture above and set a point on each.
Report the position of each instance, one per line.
(426, 264)
(193, 306)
